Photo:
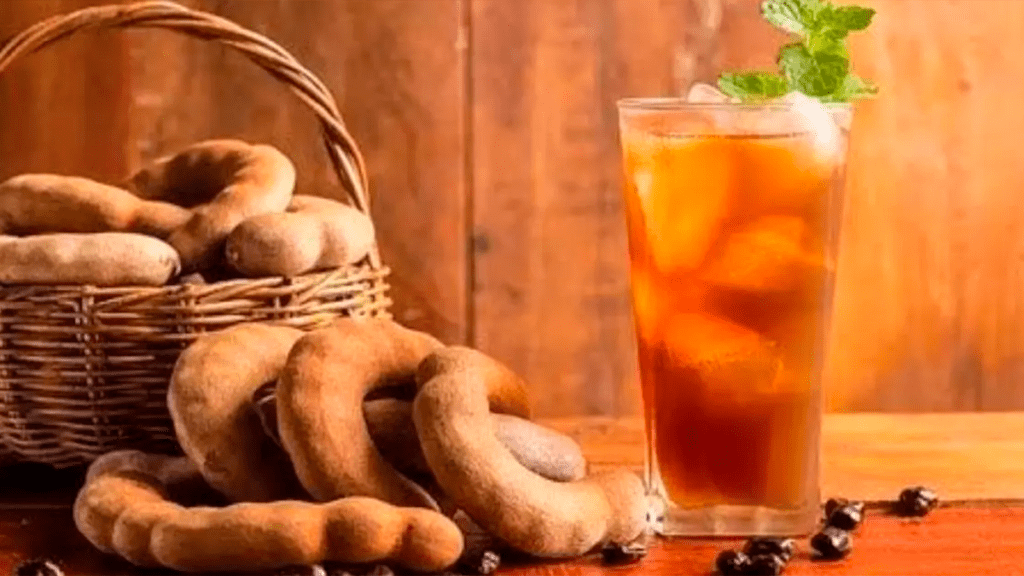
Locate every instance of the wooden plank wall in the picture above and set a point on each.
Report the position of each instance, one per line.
(490, 131)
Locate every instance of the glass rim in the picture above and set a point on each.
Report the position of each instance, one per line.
(662, 103)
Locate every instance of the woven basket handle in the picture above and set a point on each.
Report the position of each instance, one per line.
(341, 147)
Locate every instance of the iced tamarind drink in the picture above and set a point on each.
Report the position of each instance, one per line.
(732, 213)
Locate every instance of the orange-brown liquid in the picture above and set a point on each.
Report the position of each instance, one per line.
(731, 250)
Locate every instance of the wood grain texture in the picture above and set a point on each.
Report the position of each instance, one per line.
(958, 542)
(869, 456)
(63, 110)
(929, 309)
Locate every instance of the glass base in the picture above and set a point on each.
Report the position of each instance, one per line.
(738, 521)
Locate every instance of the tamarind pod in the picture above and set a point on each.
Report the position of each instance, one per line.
(531, 513)
(132, 534)
(209, 400)
(50, 203)
(224, 182)
(180, 479)
(101, 259)
(542, 451)
(389, 421)
(97, 509)
(123, 509)
(320, 407)
(313, 234)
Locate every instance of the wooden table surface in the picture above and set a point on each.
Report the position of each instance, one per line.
(974, 461)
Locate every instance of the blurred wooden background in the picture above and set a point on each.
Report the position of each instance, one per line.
(490, 131)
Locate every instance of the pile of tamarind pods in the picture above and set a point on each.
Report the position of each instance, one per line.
(212, 206)
(303, 448)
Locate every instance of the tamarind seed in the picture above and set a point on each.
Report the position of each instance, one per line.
(916, 501)
(847, 518)
(732, 562)
(833, 504)
(781, 547)
(38, 567)
(832, 543)
(480, 562)
(489, 563)
(615, 554)
(766, 565)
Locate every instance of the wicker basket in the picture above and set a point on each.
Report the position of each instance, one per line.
(84, 370)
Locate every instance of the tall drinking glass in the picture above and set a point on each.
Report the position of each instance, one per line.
(733, 214)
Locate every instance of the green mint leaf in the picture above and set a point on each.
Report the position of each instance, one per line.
(827, 41)
(816, 74)
(851, 18)
(753, 85)
(853, 87)
(833, 24)
(794, 16)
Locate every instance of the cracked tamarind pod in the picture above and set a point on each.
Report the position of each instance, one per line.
(124, 508)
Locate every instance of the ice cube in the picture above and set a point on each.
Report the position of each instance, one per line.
(766, 255)
(643, 181)
(758, 311)
(656, 298)
(689, 195)
(701, 93)
(720, 120)
(728, 359)
(816, 118)
(647, 312)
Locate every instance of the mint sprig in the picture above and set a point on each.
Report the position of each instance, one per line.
(765, 84)
(818, 65)
(817, 74)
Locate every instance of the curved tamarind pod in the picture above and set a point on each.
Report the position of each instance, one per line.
(313, 234)
(389, 420)
(123, 509)
(543, 451)
(320, 407)
(530, 513)
(209, 399)
(101, 259)
(50, 203)
(224, 182)
(128, 535)
(180, 476)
